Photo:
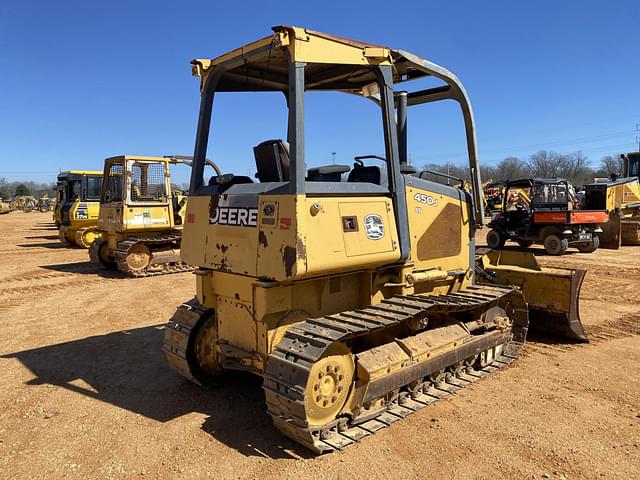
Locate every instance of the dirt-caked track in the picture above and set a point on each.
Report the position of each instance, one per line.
(85, 392)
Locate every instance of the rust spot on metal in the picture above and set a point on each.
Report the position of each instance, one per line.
(290, 255)
(289, 259)
(262, 239)
(301, 251)
(223, 267)
(213, 205)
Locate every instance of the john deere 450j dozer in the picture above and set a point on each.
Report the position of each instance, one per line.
(353, 296)
(141, 216)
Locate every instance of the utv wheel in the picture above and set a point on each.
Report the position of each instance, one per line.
(495, 240)
(554, 245)
(525, 243)
(590, 246)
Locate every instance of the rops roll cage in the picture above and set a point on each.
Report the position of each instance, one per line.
(394, 104)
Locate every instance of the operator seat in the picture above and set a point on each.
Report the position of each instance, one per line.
(272, 161)
(407, 169)
(326, 173)
(362, 174)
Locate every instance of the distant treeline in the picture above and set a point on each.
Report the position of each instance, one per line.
(575, 167)
(19, 189)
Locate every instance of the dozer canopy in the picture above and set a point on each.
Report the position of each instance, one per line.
(631, 164)
(293, 60)
(83, 185)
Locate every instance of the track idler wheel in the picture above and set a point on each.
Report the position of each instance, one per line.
(328, 385)
(99, 253)
(202, 353)
(86, 237)
(138, 257)
(62, 235)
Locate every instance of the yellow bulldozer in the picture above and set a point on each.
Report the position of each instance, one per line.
(5, 207)
(620, 197)
(141, 216)
(77, 206)
(353, 292)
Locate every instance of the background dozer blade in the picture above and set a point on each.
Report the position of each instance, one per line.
(611, 236)
(552, 293)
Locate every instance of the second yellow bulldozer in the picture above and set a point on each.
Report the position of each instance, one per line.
(141, 216)
(620, 197)
(77, 206)
(352, 292)
(5, 207)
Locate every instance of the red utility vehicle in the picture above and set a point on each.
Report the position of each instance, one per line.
(545, 211)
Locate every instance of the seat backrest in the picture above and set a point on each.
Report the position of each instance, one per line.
(326, 173)
(365, 175)
(407, 169)
(272, 161)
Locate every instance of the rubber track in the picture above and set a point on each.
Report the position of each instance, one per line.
(120, 256)
(290, 362)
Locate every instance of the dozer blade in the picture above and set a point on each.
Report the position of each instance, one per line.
(630, 231)
(611, 236)
(552, 293)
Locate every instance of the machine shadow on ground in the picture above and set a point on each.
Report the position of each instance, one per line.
(42, 237)
(127, 369)
(84, 268)
(44, 226)
(538, 252)
(51, 245)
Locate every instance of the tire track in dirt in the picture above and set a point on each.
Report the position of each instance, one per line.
(44, 274)
(34, 275)
(51, 287)
(14, 297)
(29, 251)
(9, 304)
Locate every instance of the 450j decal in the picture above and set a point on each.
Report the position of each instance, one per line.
(426, 199)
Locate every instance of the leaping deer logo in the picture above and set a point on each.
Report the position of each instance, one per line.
(374, 227)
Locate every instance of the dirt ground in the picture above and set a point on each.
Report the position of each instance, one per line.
(85, 391)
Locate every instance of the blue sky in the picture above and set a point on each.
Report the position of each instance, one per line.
(81, 80)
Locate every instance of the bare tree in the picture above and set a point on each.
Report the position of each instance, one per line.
(612, 164)
(575, 168)
(546, 164)
(511, 168)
